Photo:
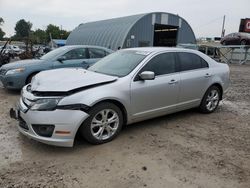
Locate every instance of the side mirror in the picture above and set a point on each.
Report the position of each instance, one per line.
(147, 75)
(61, 59)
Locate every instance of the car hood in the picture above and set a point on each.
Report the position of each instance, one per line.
(68, 79)
(22, 63)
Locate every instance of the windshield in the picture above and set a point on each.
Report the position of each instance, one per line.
(54, 53)
(119, 64)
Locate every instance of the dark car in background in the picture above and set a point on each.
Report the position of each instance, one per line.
(236, 39)
(17, 74)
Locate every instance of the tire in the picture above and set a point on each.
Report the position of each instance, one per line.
(101, 132)
(210, 100)
(30, 78)
(243, 42)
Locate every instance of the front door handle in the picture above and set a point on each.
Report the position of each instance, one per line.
(207, 75)
(173, 82)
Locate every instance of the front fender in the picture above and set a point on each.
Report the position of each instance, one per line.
(91, 97)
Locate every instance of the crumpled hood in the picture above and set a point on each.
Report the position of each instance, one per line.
(67, 79)
(22, 63)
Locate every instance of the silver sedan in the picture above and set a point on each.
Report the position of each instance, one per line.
(128, 86)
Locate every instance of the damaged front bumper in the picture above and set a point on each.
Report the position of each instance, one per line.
(57, 127)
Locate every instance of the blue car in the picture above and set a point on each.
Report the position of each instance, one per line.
(16, 75)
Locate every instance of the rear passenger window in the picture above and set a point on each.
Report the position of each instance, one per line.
(203, 63)
(161, 64)
(96, 53)
(189, 61)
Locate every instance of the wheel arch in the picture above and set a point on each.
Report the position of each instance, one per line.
(30, 74)
(113, 101)
(219, 86)
(119, 105)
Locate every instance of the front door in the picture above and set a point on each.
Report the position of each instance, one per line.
(73, 58)
(150, 98)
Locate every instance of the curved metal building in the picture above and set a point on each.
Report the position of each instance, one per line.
(151, 29)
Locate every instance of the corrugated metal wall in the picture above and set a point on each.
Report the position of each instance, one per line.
(128, 31)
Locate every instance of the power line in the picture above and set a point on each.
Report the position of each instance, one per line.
(211, 22)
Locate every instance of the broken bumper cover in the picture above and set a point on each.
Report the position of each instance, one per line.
(65, 124)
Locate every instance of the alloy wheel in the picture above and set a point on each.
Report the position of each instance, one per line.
(104, 124)
(212, 100)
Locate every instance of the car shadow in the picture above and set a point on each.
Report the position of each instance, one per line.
(155, 121)
(11, 92)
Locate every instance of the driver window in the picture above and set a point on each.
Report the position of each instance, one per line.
(79, 53)
(161, 64)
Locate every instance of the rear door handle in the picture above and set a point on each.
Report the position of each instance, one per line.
(207, 75)
(173, 82)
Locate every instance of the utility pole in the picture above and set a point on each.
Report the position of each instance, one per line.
(223, 27)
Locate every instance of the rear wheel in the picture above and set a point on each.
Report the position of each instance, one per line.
(103, 124)
(210, 100)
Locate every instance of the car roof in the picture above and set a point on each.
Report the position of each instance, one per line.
(86, 46)
(161, 49)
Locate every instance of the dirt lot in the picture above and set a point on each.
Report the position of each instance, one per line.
(186, 149)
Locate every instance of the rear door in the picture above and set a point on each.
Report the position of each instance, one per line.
(156, 97)
(195, 78)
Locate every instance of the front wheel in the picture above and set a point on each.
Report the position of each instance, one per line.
(210, 100)
(103, 124)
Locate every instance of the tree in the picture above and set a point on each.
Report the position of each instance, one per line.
(1, 21)
(39, 36)
(56, 32)
(23, 29)
(2, 33)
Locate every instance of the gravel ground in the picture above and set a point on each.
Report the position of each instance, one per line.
(186, 149)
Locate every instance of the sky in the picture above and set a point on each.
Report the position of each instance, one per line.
(204, 16)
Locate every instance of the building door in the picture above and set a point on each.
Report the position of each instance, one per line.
(165, 35)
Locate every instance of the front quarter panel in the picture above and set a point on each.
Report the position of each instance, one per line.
(118, 91)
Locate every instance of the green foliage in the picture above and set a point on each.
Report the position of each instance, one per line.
(1, 34)
(56, 32)
(1, 21)
(39, 36)
(23, 29)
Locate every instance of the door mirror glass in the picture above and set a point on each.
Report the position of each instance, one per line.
(147, 75)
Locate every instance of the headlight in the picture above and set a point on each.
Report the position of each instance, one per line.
(14, 71)
(45, 104)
